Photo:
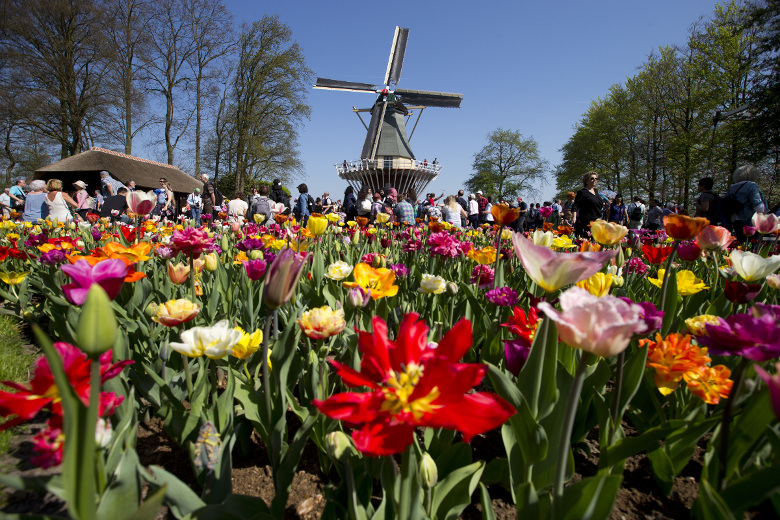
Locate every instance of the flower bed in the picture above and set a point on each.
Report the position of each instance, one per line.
(393, 346)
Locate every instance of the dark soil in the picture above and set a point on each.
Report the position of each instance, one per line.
(639, 498)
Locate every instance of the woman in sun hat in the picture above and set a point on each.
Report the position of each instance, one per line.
(82, 199)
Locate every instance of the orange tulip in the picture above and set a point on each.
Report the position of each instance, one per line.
(362, 221)
(280, 219)
(547, 226)
(435, 226)
(682, 227)
(503, 214)
(586, 247)
(565, 230)
(178, 273)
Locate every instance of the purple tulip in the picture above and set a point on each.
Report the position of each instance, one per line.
(358, 297)
(516, 352)
(255, 269)
(109, 274)
(53, 257)
(502, 296)
(650, 314)
(96, 234)
(754, 337)
(400, 270)
(773, 384)
(250, 244)
(282, 276)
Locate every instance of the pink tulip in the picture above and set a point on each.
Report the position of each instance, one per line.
(689, 252)
(551, 270)
(109, 274)
(766, 224)
(749, 231)
(773, 384)
(141, 203)
(603, 326)
(714, 238)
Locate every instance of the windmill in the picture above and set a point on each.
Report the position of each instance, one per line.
(387, 158)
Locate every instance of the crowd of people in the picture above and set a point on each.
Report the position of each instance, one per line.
(733, 210)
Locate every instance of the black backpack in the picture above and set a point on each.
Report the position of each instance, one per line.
(729, 205)
(636, 213)
(261, 206)
(218, 197)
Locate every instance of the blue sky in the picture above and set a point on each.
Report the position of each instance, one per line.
(531, 66)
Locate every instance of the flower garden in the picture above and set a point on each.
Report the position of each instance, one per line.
(388, 349)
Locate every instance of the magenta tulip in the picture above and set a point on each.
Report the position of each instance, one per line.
(109, 274)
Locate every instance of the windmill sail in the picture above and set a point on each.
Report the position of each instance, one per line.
(397, 52)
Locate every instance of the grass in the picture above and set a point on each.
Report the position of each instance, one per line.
(15, 362)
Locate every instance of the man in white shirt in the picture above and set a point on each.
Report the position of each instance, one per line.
(473, 211)
(237, 208)
(5, 202)
(195, 202)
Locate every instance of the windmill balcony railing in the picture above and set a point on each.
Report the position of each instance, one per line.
(367, 164)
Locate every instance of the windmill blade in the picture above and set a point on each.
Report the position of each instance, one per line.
(430, 99)
(351, 86)
(379, 129)
(397, 51)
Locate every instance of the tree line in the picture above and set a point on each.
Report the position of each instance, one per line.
(179, 75)
(694, 110)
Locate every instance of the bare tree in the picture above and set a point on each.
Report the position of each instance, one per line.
(57, 51)
(172, 48)
(129, 37)
(213, 38)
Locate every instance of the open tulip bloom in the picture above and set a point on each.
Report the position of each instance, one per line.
(141, 203)
(411, 384)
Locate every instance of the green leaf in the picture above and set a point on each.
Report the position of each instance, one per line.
(752, 489)
(453, 494)
(710, 505)
(124, 487)
(591, 498)
(487, 503)
(151, 506)
(178, 496)
(746, 430)
(537, 377)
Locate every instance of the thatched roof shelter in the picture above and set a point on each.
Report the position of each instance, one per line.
(87, 166)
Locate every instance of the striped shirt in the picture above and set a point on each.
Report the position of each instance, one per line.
(404, 212)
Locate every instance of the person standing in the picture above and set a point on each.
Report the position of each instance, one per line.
(115, 207)
(5, 203)
(108, 185)
(237, 208)
(482, 203)
(462, 201)
(82, 199)
(748, 196)
(58, 202)
(404, 211)
(303, 207)
(17, 194)
(327, 203)
(636, 213)
(655, 216)
(617, 211)
(521, 215)
(131, 185)
(35, 206)
(209, 197)
(350, 203)
(168, 210)
(588, 203)
(473, 211)
(707, 205)
(195, 201)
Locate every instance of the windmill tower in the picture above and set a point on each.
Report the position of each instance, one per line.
(387, 157)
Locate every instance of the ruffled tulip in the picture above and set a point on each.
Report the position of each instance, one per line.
(607, 233)
(689, 252)
(379, 280)
(551, 270)
(338, 270)
(214, 342)
(766, 223)
(175, 312)
(683, 227)
(714, 238)
(109, 274)
(752, 267)
(603, 326)
(322, 322)
(431, 284)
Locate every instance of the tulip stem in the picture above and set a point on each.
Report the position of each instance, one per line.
(187, 376)
(616, 421)
(723, 448)
(568, 424)
(266, 375)
(498, 254)
(666, 274)
(192, 278)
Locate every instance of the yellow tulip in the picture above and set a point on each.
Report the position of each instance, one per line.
(598, 285)
(248, 344)
(382, 218)
(13, 278)
(317, 225)
(607, 233)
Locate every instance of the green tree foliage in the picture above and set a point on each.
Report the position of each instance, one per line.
(268, 102)
(508, 165)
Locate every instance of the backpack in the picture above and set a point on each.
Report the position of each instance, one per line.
(218, 197)
(730, 206)
(365, 206)
(310, 201)
(636, 213)
(261, 206)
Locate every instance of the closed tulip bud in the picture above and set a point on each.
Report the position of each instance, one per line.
(282, 276)
(428, 471)
(620, 259)
(358, 297)
(97, 326)
(452, 288)
(339, 446)
(224, 243)
(211, 261)
(151, 309)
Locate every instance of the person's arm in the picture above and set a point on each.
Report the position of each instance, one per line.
(17, 199)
